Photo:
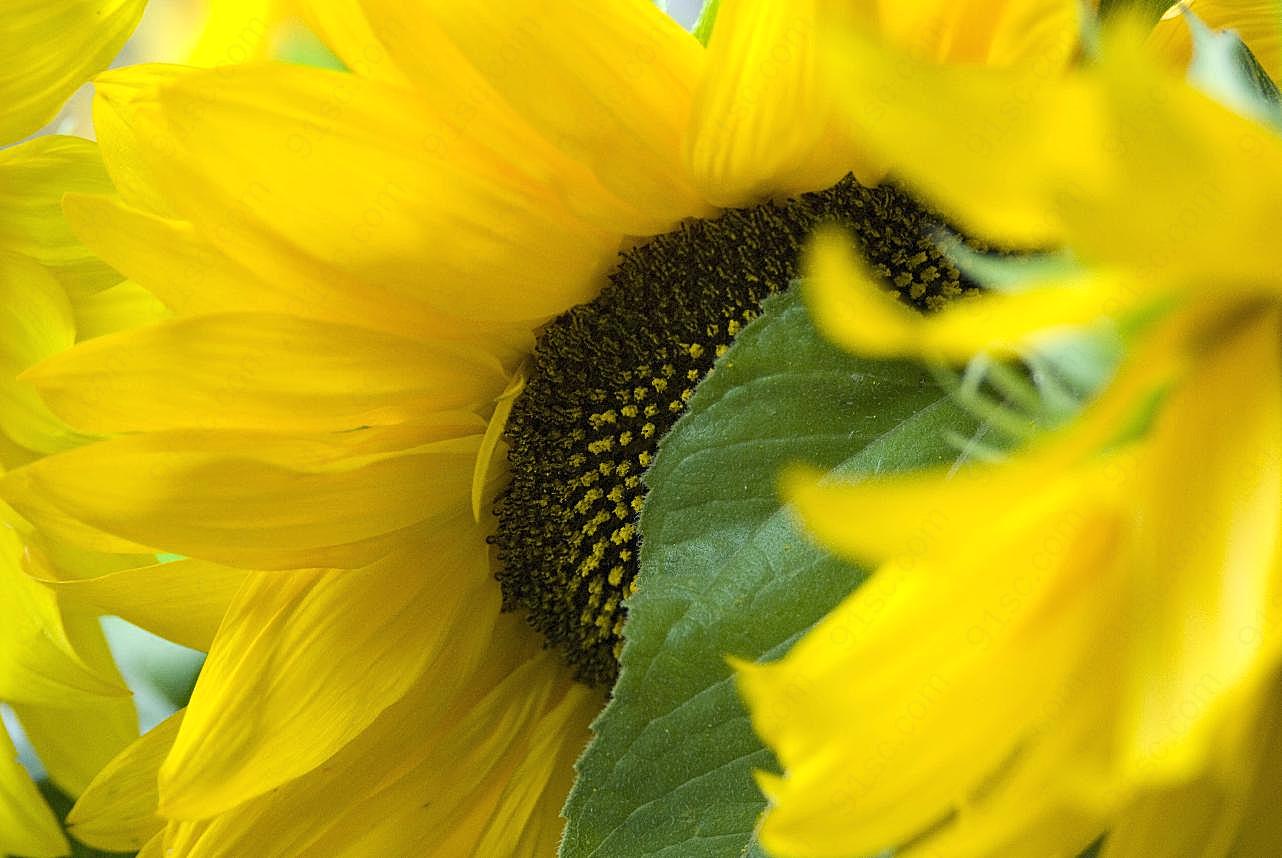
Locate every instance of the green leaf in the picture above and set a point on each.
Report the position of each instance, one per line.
(707, 18)
(725, 571)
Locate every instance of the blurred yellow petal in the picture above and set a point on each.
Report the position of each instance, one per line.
(27, 826)
(122, 306)
(859, 313)
(238, 31)
(957, 664)
(33, 178)
(345, 29)
(1213, 505)
(258, 371)
(50, 48)
(1257, 22)
(117, 812)
(313, 658)
(977, 142)
(1121, 160)
(36, 321)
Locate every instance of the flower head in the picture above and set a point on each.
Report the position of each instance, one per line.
(380, 281)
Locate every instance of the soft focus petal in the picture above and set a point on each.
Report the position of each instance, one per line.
(118, 308)
(36, 320)
(27, 826)
(957, 665)
(51, 47)
(1213, 522)
(33, 178)
(1121, 160)
(857, 312)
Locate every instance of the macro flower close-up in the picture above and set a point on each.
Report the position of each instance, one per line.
(574, 429)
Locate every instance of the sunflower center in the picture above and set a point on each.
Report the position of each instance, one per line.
(610, 378)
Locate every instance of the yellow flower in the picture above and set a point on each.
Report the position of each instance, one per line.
(1084, 639)
(359, 266)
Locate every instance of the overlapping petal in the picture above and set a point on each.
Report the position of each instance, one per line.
(257, 371)
(50, 48)
(27, 826)
(609, 84)
(477, 230)
(254, 500)
(33, 178)
(316, 656)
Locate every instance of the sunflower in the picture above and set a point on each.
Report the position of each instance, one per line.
(1082, 640)
(430, 317)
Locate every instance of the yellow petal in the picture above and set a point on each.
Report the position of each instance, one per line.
(957, 665)
(125, 305)
(193, 277)
(1193, 184)
(1213, 516)
(256, 371)
(250, 499)
(1105, 159)
(117, 812)
(50, 48)
(859, 313)
(985, 33)
(495, 731)
(39, 664)
(312, 658)
(35, 321)
(1256, 21)
(33, 178)
(237, 150)
(27, 826)
(763, 120)
(923, 513)
(610, 84)
(344, 28)
(978, 143)
(146, 596)
(118, 139)
(237, 31)
(73, 743)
